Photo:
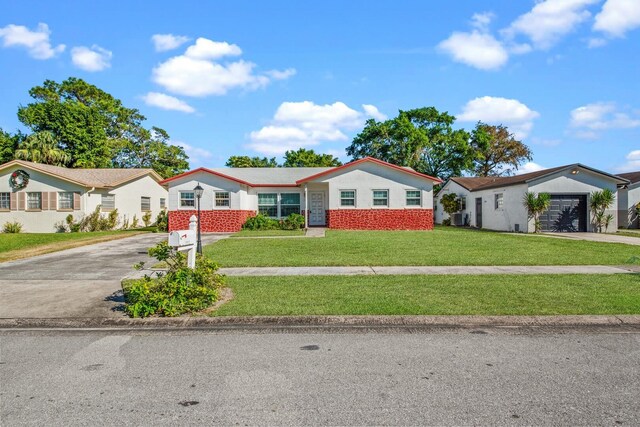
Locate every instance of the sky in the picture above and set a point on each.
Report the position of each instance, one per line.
(259, 78)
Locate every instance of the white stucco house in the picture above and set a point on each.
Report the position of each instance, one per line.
(38, 196)
(628, 200)
(364, 194)
(496, 203)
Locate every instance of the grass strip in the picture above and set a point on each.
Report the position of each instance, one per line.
(268, 233)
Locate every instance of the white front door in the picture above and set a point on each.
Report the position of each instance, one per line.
(316, 209)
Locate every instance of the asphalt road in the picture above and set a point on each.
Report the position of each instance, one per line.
(490, 377)
(78, 282)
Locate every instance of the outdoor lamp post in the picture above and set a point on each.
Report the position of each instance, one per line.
(199, 190)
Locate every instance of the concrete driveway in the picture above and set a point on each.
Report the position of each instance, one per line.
(78, 282)
(598, 237)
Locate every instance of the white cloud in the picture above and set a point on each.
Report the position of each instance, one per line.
(482, 20)
(591, 118)
(477, 49)
(281, 75)
(196, 72)
(36, 42)
(546, 142)
(166, 102)
(164, 42)
(91, 59)
(632, 164)
(495, 110)
(529, 167)
(306, 124)
(617, 17)
(595, 42)
(549, 21)
(373, 112)
(196, 155)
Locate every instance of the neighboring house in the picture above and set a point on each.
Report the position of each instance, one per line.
(628, 199)
(496, 203)
(52, 193)
(364, 194)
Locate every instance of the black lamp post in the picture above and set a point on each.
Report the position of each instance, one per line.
(199, 190)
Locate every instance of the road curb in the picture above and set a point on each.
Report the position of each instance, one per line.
(293, 322)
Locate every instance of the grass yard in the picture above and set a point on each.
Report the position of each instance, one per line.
(268, 233)
(433, 295)
(443, 246)
(24, 245)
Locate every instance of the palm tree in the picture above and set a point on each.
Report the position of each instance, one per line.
(599, 203)
(536, 204)
(41, 147)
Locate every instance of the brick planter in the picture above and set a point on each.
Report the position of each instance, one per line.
(212, 220)
(380, 219)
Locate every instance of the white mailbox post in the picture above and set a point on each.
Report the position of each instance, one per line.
(185, 240)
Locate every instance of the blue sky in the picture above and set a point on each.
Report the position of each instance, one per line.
(258, 78)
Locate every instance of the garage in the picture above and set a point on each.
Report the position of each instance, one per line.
(567, 213)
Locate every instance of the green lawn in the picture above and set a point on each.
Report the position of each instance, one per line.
(23, 245)
(268, 233)
(443, 246)
(433, 295)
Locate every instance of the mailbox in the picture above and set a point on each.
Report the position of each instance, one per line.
(182, 238)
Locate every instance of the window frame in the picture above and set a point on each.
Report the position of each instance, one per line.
(374, 198)
(354, 198)
(463, 203)
(498, 201)
(181, 199)
(163, 202)
(270, 206)
(60, 200)
(142, 203)
(29, 194)
(288, 205)
(106, 208)
(6, 194)
(407, 198)
(227, 199)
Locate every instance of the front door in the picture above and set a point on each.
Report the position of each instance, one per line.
(479, 212)
(316, 209)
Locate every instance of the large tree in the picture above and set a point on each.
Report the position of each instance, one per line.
(423, 139)
(497, 151)
(41, 147)
(95, 130)
(308, 158)
(251, 162)
(8, 145)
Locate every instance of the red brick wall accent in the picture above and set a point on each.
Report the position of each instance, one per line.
(212, 220)
(380, 219)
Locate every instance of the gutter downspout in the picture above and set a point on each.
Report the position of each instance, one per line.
(86, 202)
(306, 207)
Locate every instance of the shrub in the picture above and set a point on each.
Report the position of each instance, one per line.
(180, 290)
(446, 221)
(162, 221)
(146, 218)
(450, 204)
(93, 222)
(134, 222)
(261, 222)
(60, 227)
(12, 227)
(292, 222)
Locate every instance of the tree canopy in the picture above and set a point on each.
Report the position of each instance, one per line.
(309, 158)
(251, 162)
(498, 152)
(8, 145)
(95, 130)
(422, 138)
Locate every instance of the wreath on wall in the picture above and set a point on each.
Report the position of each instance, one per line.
(19, 179)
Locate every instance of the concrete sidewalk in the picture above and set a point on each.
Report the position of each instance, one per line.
(429, 270)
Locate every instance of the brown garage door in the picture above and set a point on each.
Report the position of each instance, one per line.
(567, 213)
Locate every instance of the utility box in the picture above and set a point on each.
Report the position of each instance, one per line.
(182, 238)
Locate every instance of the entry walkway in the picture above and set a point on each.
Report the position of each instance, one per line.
(598, 237)
(429, 270)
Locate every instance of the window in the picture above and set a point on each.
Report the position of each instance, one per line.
(5, 201)
(65, 200)
(222, 199)
(187, 199)
(163, 203)
(380, 197)
(268, 204)
(347, 197)
(499, 201)
(289, 204)
(463, 203)
(414, 198)
(108, 202)
(34, 201)
(145, 203)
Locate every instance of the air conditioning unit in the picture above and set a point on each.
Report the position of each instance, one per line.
(457, 219)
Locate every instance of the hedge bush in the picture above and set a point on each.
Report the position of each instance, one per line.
(262, 222)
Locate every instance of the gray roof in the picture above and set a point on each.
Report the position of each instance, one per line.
(262, 176)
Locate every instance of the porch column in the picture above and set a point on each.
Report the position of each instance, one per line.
(306, 207)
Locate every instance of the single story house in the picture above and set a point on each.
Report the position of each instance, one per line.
(364, 194)
(628, 200)
(496, 203)
(38, 196)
